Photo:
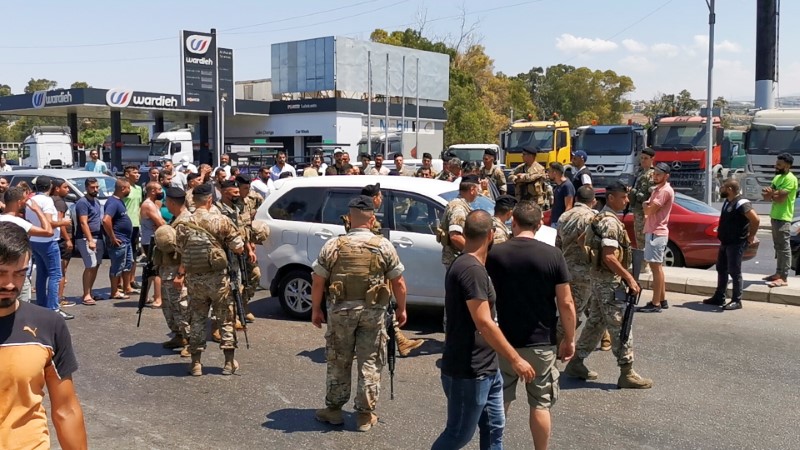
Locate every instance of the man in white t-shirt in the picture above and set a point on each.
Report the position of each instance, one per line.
(263, 183)
(280, 167)
(224, 164)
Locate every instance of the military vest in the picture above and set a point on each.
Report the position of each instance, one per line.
(357, 273)
(593, 243)
(203, 253)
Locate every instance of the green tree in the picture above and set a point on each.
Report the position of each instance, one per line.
(42, 84)
(5, 90)
(79, 84)
(685, 105)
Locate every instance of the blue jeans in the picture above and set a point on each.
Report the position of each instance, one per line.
(47, 258)
(473, 403)
(121, 259)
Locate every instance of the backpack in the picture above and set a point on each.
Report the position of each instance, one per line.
(202, 253)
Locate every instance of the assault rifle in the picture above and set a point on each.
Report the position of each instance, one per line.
(148, 271)
(631, 300)
(391, 344)
(233, 274)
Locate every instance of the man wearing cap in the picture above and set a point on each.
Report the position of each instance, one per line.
(642, 188)
(611, 258)
(427, 160)
(656, 234)
(280, 167)
(167, 260)
(336, 168)
(503, 208)
(186, 166)
(580, 174)
(451, 230)
(353, 269)
(529, 179)
(493, 172)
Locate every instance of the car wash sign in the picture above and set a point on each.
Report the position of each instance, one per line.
(125, 98)
(198, 69)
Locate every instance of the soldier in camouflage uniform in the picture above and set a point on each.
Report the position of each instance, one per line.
(642, 188)
(208, 288)
(503, 210)
(611, 256)
(353, 269)
(167, 260)
(252, 201)
(451, 171)
(450, 232)
(530, 179)
(492, 171)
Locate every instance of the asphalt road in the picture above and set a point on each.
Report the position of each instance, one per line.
(722, 380)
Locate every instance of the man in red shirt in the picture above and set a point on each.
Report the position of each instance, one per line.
(36, 351)
(656, 234)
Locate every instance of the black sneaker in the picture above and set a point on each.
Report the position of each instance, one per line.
(732, 306)
(649, 308)
(64, 315)
(716, 301)
(664, 304)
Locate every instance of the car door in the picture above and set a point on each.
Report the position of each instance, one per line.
(329, 223)
(290, 217)
(412, 221)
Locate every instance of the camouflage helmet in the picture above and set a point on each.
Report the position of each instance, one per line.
(260, 231)
(165, 239)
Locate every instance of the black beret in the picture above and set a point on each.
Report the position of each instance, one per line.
(362, 202)
(649, 152)
(490, 152)
(616, 186)
(227, 184)
(371, 190)
(470, 179)
(203, 189)
(427, 155)
(175, 192)
(529, 150)
(506, 201)
(663, 167)
(241, 179)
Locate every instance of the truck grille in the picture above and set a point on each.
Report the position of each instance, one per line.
(684, 166)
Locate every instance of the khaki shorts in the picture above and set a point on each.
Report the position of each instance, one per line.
(543, 389)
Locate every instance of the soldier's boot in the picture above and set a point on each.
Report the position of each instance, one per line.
(248, 316)
(175, 342)
(575, 368)
(605, 343)
(329, 415)
(195, 368)
(185, 352)
(404, 344)
(629, 379)
(238, 325)
(215, 336)
(231, 366)
(365, 421)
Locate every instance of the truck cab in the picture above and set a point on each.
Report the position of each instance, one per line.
(613, 151)
(172, 145)
(473, 152)
(550, 139)
(378, 145)
(772, 132)
(47, 147)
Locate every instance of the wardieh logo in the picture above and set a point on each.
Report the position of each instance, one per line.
(119, 97)
(198, 44)
(40, 99)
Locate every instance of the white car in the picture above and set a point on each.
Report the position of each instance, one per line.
(304, 213)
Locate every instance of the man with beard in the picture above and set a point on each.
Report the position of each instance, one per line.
(3, 189)
(782, 193)
(89, 237)
(38, 342)
(118, 228)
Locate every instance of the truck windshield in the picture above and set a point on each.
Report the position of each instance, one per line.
(605, 144)
(467, 154)
(541, 139)
(763, 141)
(159, 148)
(680, 137)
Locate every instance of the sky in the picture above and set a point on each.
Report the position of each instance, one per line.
(661, 44)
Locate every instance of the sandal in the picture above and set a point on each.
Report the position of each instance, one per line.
(89, 302)
(778, 283)
(775, 277)
(120, 297)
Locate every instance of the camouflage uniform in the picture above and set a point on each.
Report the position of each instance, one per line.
(455, 216)
(445, 175)
(176, 310)
(496, 175)
(604, 311)
(501, 231)
(242, 216)
(210, 290)
(572, 224)
(530, 183)
(354, 327)
(251, 202)
(642, 188)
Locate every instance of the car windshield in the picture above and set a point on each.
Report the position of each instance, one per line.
(159, 148)
(680, 137)
(106, 185)
(764, 141)
(481, 202)
(695, 205)
(605, 144)
(538, 139)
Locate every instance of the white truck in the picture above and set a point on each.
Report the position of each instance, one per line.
(474, 152)
(173, 145)
(47, 147)
(772, 132)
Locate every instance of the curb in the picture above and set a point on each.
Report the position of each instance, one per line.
(704, 283)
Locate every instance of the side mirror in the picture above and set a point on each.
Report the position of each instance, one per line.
(735, 149)
(71, 197)
(650, 135)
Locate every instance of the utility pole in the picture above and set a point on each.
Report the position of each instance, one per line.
(712, 18)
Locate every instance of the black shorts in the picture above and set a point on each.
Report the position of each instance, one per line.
(62, 247)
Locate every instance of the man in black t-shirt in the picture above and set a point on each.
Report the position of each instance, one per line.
(37, 341)
(470, 376)
(738, 225)
(528, 275)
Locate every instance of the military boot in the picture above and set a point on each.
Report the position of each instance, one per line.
(231, 366)
(365, 421)
(329, 415)
(605, 343)
(185, 352)
(215, 336)
(195, 368)
(175, 342)
(628, 379)
(248, 316)
(404, 344)
(576, 369)
(238, 325)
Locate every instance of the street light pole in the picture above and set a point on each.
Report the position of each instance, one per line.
(710, 104)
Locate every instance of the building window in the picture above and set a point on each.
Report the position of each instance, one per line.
(248, 91)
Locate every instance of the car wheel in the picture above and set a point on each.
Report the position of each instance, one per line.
(294, 294)
(673, 256)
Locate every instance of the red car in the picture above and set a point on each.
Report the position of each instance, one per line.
(692, 232)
